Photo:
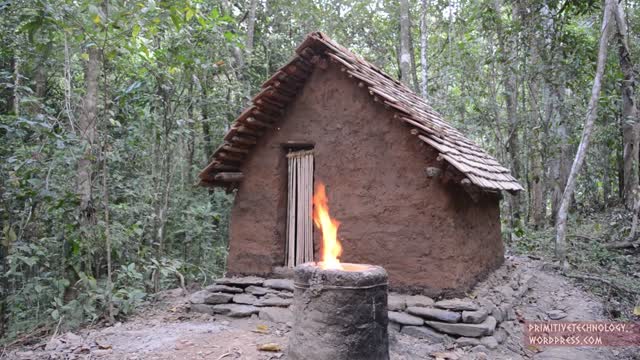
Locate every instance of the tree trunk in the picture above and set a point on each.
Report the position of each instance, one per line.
(251, 24)
(405, 44)
(560, 164)
(164, 163)
(592, 112)
(630, 136)
(191, 138)
(15, 66)
(423, 49)
(606, 175)
(107, 233)
(511, 99)
(87, 133)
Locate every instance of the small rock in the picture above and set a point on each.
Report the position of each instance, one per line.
(223, 288)
(235, 310)
(457, 304)
(53, 344)
(257, 290)
(72, 339)
(556, 314)
(423, 332)
(241, 281)
(498, 314)
(469, 330)
(247, 299)
(467, 341)
(434, 314)
(474, 317)
(396, 302)
(276, 314)
(273, 300)
(418, 300)
(500, 335)
(202, 308)
(217, 298)
(279, 284)
(506, 292)
(490, 342)
(507, 312)
(480, 349)
(405, 319)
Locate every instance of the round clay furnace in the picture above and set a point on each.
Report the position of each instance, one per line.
(339, 314)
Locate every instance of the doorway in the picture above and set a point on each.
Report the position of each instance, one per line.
(299, 247)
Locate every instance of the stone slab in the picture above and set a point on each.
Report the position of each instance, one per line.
(274, 300)
(396, 302)
(457, 305)
(198, 297)
(257, 290)
(419, 300)
(474, 317)
(224, 288)
(246, 299)
(217, 298)
(279, 284)
(405, 319)
(241, 281)
(434, 314)
(469, 330)
(235, 310)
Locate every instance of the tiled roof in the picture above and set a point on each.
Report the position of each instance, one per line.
(463, 154)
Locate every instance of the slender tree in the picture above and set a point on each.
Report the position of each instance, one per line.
(405, 44)
(424, 66)
(630, 136)
(592, 113)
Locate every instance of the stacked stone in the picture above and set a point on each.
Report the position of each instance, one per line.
(246, 296)
(442, 321)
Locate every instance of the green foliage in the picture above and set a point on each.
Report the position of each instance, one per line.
(52, 263)
(174, 74)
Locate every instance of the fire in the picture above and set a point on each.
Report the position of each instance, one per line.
(331, 248)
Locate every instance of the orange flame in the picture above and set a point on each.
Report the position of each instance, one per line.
(331, 248)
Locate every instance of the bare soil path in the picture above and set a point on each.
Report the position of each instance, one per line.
(166, 330)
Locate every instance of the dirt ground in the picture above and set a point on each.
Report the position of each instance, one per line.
(166, 330)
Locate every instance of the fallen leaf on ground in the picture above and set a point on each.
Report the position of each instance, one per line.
(269, 347)
(262, 329)
(533, 348)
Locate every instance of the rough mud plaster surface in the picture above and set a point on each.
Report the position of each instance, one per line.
(424, 233)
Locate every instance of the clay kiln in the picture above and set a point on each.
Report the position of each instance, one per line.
(339, 313)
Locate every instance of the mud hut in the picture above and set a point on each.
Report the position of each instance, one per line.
(412, 193)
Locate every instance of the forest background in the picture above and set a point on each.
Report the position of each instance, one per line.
(109, 109)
